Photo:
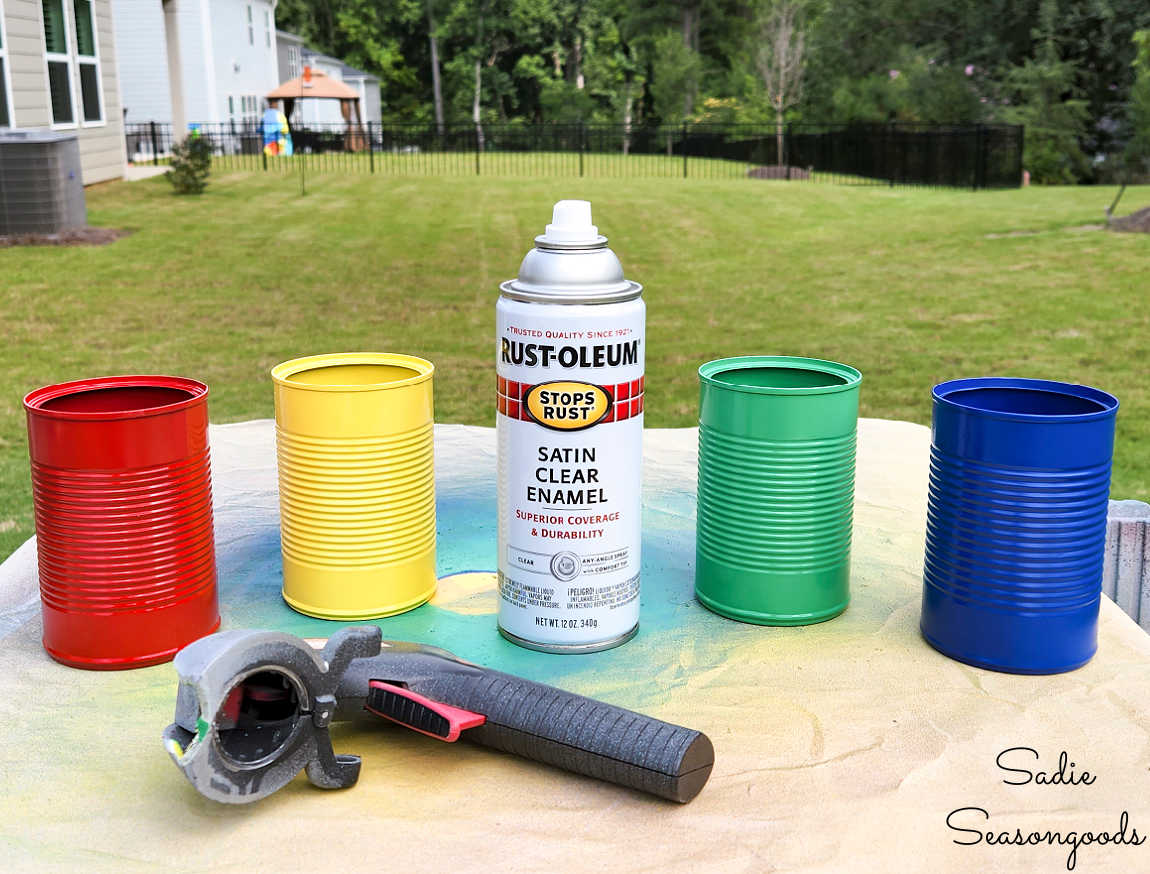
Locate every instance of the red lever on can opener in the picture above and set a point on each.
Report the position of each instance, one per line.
(433, 718)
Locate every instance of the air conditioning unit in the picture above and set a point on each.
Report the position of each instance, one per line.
(41, 189)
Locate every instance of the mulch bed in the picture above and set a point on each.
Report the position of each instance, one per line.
(776, 172)
(1138, 222)
(78, 237)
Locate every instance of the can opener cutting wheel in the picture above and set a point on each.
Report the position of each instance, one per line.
(254, 708)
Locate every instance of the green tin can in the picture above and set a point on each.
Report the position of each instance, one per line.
(777, 441)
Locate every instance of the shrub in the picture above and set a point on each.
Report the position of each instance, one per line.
(191, 163)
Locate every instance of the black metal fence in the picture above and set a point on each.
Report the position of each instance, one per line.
(960, 156)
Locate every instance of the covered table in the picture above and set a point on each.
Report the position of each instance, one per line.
(841, 746)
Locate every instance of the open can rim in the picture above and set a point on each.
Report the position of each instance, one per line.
(284, 372)
(35, 400)
(709, 372)
(944, 394)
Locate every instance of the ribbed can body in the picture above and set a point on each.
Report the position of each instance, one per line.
(1016, 522)
(121, 483)
(355, 449)
(776, 488)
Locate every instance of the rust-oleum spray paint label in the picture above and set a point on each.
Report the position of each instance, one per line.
(570, 349)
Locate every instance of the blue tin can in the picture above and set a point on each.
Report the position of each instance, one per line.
(1016, 522)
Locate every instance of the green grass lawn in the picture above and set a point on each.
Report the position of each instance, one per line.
(912, 287)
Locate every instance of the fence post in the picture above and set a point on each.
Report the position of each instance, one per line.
(787, 150)
(980, 171)
(889, 145)
(884, 154)
(683, 135)
(370, 148)
(975, 161)
(1021, 152)
(155, 146)
(582, 143)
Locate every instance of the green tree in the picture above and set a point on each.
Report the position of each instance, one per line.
(614, 76)
(1138, 146)
(388, 40)
(1070, 79)
(780, 40)
(577, 66)
(674, 78)
(1097, 37)
(1046, 99)
(436, 68)
(918, 87)
(480, 87)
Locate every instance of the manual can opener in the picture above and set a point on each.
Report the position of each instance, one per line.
(253, 709)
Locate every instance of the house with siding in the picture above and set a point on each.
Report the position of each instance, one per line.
(195, 61)
(58, 71)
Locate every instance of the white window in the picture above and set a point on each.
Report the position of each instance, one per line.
(5, 87)
(293, 61)
(251, 28)
(231, 107)
(73, 61)
(88, 62)
(268, 28)
(59, 62)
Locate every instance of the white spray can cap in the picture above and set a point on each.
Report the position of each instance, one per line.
(570, 224)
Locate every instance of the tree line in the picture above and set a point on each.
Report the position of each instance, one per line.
(1075, 72)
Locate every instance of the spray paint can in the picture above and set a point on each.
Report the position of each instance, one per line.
(570, 350)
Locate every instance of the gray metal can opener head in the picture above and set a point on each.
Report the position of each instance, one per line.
(253, 710)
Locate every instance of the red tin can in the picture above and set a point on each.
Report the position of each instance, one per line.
(122, 487)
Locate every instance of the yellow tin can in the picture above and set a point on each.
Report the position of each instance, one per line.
(354, 445)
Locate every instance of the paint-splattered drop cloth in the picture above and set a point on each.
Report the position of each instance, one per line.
(840, 747)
